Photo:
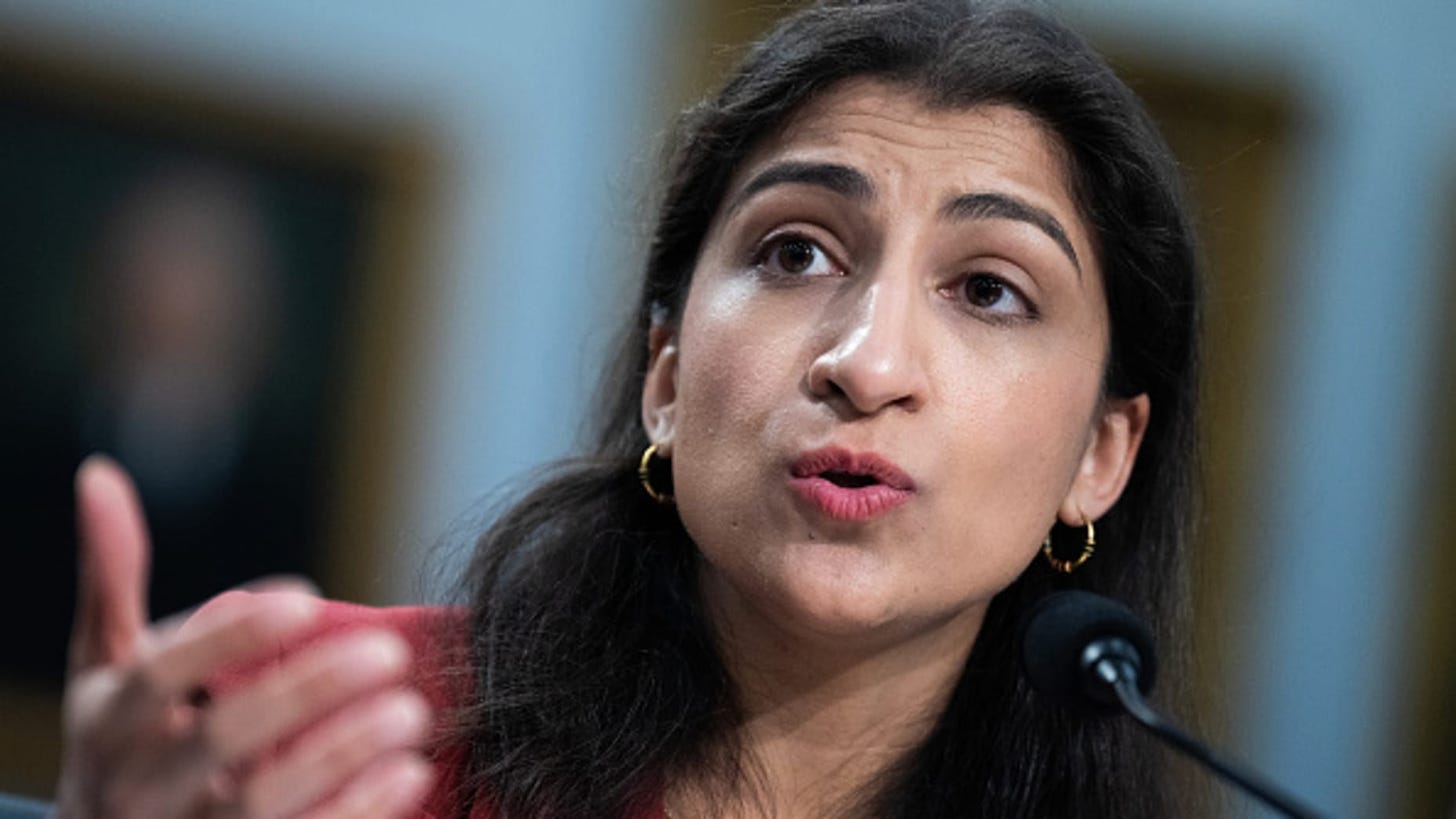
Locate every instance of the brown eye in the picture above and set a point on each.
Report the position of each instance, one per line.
(993, 297)
(985, 291)
(795, 255)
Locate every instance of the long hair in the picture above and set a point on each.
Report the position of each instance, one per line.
(596, 678)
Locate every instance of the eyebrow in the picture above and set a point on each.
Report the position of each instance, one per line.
(1005, 206)
(851, 184)
(840, 179)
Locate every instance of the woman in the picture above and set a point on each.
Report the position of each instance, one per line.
(921, 299)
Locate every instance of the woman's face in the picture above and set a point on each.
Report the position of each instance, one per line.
(885, 385)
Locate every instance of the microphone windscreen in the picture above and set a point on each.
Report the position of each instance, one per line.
(1056, 631)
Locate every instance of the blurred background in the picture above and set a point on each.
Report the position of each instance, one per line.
(325, 275)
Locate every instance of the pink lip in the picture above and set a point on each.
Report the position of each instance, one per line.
(888, 487)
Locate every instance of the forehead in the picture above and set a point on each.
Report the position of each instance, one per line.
(890, 131)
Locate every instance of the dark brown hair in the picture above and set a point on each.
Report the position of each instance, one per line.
(596, 679)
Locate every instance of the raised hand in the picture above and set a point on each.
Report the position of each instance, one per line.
(329, 732)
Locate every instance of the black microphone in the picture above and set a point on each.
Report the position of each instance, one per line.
(1093, 654)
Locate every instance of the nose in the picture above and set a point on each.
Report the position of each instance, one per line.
(872, 358)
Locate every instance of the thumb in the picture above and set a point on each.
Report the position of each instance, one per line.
(111, 607)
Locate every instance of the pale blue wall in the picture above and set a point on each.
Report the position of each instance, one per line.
(1335, 528)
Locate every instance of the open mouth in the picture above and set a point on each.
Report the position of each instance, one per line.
(851, 470)
(846, 485)
(849, 480)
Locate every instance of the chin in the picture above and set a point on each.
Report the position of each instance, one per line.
(839, 590)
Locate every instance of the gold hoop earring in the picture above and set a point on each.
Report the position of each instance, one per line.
(1069, 566)
(644, 474)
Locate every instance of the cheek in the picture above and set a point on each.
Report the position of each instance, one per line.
(736, 375)
(1013, 452)
(740, 362)
(743, 416)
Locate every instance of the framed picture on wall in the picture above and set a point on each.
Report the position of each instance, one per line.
(215, 287)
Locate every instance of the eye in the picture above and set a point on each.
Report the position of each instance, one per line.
(992, 294)
(791, 254)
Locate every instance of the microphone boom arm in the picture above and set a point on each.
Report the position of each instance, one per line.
(1114, 673)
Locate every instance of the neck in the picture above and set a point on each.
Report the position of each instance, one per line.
(823, 715)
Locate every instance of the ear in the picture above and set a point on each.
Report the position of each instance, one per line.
(1108, 459)
(659, 389)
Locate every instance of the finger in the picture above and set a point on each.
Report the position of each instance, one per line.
(231, 604)
(169, 743)
(330, 755)
(282, 583)
(234, 627)
(189, 621)
(304, 689)
(319, 765)
(392, 787)
(112, 709)
(111, 608)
